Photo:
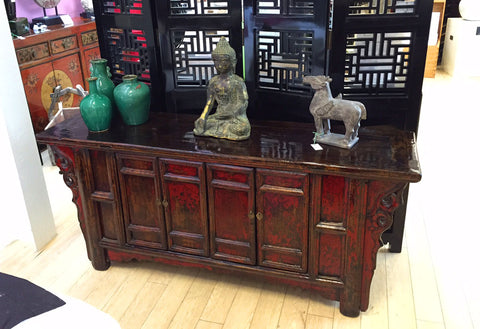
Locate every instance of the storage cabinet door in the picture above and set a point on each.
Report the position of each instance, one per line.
(231, 196)
(282, 219)
(38, 82)
(184, 191)
(141, 196)
(68, 73)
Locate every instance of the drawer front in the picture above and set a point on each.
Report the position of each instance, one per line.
(32, 53)
(89, 37)
(63, 44)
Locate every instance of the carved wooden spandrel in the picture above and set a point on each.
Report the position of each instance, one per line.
(387, 198)
(66, 159)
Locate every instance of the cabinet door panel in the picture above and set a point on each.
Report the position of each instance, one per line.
(68, 73)
(231, 213)
(34, 79)
(89, 55)
(282, 219)
(141, 195)
(184, 190)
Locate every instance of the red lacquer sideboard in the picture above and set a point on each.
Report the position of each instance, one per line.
(58, 57)
(270, 206)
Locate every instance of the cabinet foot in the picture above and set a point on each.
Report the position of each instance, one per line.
(99, 258)
(101, 264)
(349, 310)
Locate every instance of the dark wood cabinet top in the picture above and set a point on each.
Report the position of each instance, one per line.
(381, 153)
(55, 31)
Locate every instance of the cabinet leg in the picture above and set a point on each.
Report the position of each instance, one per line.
(349, 309)
(100, 260)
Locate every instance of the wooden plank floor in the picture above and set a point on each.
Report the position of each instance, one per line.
(430, 285)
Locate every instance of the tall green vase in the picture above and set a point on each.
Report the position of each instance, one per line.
(133, 100)
(96, 108)
(105, 85)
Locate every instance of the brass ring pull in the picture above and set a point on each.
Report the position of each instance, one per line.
(165, 203)
(259, 216)
(251, 215)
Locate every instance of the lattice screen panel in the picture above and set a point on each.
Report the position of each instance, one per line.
(284, 57)
(382, 7)
(128, 54)
(377, 62)
(192, 56)
(131, 7)
(280, 7)
(199, 7)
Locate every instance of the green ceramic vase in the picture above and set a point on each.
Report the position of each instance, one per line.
(105, 85)
(96, 108)
(133, 100)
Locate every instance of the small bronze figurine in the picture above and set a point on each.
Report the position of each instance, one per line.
(229, 91)
(325, 108)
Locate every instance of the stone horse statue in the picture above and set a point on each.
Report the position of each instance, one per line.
(325, 108)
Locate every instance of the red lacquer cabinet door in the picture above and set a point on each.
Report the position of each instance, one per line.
(185, 205)
(141, 196)
(68, 73)
(38, 81)
(282, 219)
(89, 55)
(231, 207)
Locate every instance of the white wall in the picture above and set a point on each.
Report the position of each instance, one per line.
(25, 211)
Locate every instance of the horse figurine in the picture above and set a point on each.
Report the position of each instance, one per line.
(325, 108)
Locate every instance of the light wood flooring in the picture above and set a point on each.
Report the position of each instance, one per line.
(432, 284)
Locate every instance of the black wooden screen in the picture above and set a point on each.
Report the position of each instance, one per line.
(284, 41)
(127, 39)
(188, 31)
(378, 57)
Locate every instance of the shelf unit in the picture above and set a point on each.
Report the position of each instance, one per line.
(433, 49)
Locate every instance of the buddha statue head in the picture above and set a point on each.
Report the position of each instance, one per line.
(224, 57)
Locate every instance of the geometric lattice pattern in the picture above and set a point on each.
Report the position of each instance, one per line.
(131, 7)
(198, 7)
(377, 62)
(284, 57)
(382, 7)
(128, 52)
(192, 56)
(282, 7)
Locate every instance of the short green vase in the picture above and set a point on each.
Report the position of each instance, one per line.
(96, 108)
(133, 100)
(105, 85)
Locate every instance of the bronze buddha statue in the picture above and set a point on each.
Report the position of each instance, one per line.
(228, 90)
